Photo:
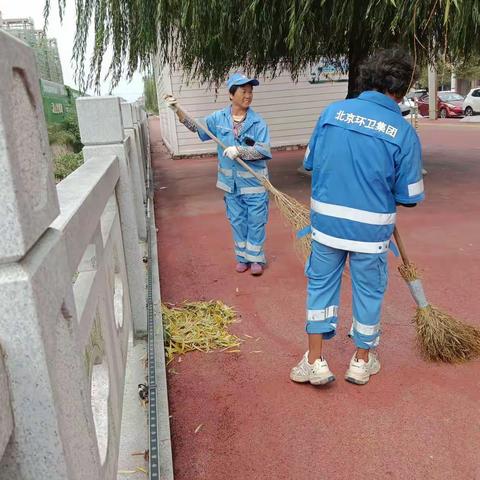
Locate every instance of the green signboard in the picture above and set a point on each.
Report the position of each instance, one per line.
(58, 101)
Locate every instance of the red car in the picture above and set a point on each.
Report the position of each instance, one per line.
(449, 104)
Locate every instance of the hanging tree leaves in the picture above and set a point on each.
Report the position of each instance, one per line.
(208, 38)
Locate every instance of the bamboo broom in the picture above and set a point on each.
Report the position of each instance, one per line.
(294, 213)
(440, 336)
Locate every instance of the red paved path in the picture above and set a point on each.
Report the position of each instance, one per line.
(413, 421)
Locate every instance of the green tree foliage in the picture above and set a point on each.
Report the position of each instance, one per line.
(208, 38)
(444, 74)
(150, 94)
(469, 70)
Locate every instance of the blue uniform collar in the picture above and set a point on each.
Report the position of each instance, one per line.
(380, 99)
(251, 118)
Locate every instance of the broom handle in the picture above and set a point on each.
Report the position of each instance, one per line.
(401, 247)
(202, 127)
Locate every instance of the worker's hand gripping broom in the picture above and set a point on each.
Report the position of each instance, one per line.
(296, 214)
(440, 336)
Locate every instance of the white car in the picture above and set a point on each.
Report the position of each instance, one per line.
(471, 104)
(407, 102)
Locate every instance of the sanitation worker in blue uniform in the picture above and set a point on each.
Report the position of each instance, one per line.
(246, 200)
(365, 160)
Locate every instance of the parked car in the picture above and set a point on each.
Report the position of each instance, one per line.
(407, 102)
(415, 94)
(405, 108)
(471, 104)
(449, 104)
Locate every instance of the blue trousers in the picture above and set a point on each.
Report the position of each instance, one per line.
(248, 215)
(369, 274)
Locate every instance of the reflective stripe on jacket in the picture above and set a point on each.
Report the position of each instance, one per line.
(365, 158)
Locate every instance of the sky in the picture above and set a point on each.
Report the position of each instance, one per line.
(64, 33)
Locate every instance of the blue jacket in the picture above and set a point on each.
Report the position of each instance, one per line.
(365, 158)
(232, 177)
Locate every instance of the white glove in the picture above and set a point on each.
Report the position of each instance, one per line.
(171, 102)
(231, 152)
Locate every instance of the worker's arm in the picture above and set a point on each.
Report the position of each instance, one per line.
(207, 122)
(257, 146)
(314, 144)
(189, 123)
(260, 144)
(408, 188)
(171, 103)
(249, 153)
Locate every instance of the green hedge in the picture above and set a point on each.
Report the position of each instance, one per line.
(66, 133)
(64, 165)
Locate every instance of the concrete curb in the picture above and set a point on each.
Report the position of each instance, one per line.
(163, 416)
(134, 431)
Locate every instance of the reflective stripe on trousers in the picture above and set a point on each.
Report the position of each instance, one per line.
(369, 275)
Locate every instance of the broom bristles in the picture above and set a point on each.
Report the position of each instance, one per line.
(441, 337)
(409, 272)
(296, 215)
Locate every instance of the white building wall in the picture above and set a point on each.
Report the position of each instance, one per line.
(290, 109)
(168, 119)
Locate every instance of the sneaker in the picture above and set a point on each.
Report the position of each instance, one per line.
(316, 374)
(241, 267)
(359, 371)
(256, 269)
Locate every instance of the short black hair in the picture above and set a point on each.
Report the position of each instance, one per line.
(233, 89)
(388, 71)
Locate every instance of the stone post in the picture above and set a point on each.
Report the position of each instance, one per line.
(102, 133)
(137, 120)
(53, 436)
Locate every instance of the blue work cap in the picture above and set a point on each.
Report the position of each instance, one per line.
(241, 79)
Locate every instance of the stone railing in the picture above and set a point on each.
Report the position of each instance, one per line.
(72, 280)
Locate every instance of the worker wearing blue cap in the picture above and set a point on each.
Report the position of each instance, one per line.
(246, 199)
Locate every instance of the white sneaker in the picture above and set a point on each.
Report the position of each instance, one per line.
(359, 371)
(316, 374)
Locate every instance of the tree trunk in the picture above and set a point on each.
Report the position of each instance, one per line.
(358, 47)
(355, 58)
